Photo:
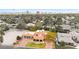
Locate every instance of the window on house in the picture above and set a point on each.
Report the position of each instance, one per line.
(34, 40)
(28, 37)
(40, 40)
(44, 40)
(36, 34)
(37, 40)
(25, 36)
(31, 37)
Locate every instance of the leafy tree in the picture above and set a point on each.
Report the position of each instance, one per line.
(62, 43)
(59, 21)
(4, 27)
(21, 26)
(39, 24)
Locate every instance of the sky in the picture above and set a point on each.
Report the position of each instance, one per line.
(47, 6)
(40, 10)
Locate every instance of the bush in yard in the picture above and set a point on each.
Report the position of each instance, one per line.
(62, 44)
(15, 43)
(1, 39)
(18, 38)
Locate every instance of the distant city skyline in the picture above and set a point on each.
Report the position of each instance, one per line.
(40, 10)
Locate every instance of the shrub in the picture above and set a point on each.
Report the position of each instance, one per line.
(4, 27)
(33, 45)
(18, 38)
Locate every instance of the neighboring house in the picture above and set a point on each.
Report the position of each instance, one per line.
(27, 36)
(0, 21)
(30, 24)
(70, 17)
(12, 25)
(68, 27)
(65, 28)
(67, 37)
(77, 25)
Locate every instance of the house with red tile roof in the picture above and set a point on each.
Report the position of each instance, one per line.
(37, 38)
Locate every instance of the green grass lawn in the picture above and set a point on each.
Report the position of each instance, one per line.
(16, 43)
(33, 45)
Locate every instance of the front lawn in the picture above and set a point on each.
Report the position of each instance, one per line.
(16, 43)
(33, 45)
